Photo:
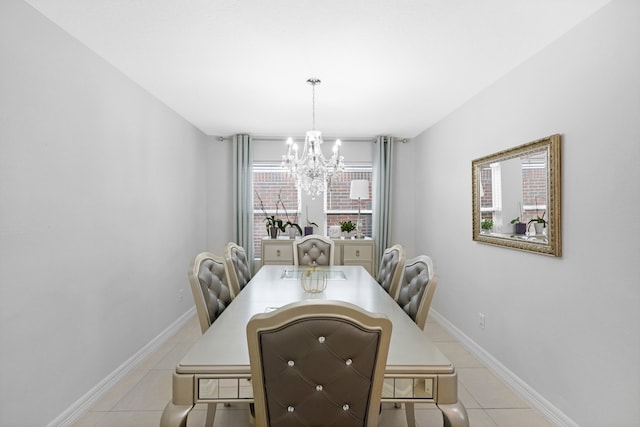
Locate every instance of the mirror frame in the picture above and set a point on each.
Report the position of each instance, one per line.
(553, 246)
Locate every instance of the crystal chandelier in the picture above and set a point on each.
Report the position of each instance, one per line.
(312, 170)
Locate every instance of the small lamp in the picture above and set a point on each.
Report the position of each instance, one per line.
(359, 191)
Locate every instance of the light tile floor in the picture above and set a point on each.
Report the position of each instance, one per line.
(138, 400)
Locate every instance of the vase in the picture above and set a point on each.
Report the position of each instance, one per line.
(539, 226)
(308, 230)
(521, 228)
(292, 233)
(273, 232)
(314, 280)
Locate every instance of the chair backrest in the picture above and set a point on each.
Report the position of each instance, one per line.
(318, 363)
(313, 249)
(237, 266)
(209, 285)
(390, 272)
(417, 286)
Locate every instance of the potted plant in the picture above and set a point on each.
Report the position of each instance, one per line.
(538, 222)
(521, 227)
(274, 224)
(308, 229)
(486, 225)
(293, 228)
(347, 227)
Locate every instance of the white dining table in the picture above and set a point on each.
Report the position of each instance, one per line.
(216, 369)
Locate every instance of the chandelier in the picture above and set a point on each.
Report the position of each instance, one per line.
(312, 170)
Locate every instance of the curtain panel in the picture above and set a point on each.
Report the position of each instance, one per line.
(243, 195)
(381, 187)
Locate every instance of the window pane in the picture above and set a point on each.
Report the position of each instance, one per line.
(340, 207)
(269, 183)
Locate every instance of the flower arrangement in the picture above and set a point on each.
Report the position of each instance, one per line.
(272, 221)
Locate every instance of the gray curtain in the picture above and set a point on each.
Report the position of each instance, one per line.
(381, 186)
(243, 195)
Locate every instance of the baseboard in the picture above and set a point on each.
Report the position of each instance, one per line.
(522, 389)
(73, 413)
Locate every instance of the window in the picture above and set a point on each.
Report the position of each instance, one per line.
(340, 208)
(271, 181)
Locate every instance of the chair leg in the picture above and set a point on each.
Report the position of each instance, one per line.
(411, 415)
(211, 414)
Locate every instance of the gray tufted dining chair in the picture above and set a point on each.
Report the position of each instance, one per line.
(390, 272)
(237, 267)
(208, 279)
(417, 286)
(313, 250)
(318, 363)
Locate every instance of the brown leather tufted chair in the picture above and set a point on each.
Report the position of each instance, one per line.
(313, 250)
(209, 285)
(417, 286)
(318, 363)
(390, 273)
(237, 267)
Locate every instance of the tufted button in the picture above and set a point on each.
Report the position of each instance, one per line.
(290, 409)
(319, 387)
(291, 363)
(348, 362)
(321, 340)
(345, 407)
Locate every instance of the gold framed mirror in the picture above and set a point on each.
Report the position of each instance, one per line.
(516, 197)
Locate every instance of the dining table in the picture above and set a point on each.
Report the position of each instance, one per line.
(216, 368)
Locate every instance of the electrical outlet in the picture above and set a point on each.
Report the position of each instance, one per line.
(481, 320)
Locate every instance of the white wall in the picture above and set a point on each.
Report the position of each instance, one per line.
(405, 218)
(567, 327)
(102, 207)
(219, 195)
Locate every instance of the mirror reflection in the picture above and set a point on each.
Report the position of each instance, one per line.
(516, 197)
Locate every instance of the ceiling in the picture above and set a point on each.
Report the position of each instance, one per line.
(388, 67)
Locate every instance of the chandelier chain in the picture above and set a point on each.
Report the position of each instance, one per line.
(313, 82)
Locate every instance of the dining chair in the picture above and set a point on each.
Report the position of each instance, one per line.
(208, 279)
(209, 285)
(313, 250)
(318, 363)
(417, 286)
(238, 269)
(390, 271)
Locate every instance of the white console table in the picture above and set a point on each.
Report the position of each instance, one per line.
(348, 252)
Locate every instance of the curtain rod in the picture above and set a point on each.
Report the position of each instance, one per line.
(284, 139)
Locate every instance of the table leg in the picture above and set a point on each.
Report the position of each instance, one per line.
(211, 414)
(175, 415)
(410, 413)
(454, 414)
